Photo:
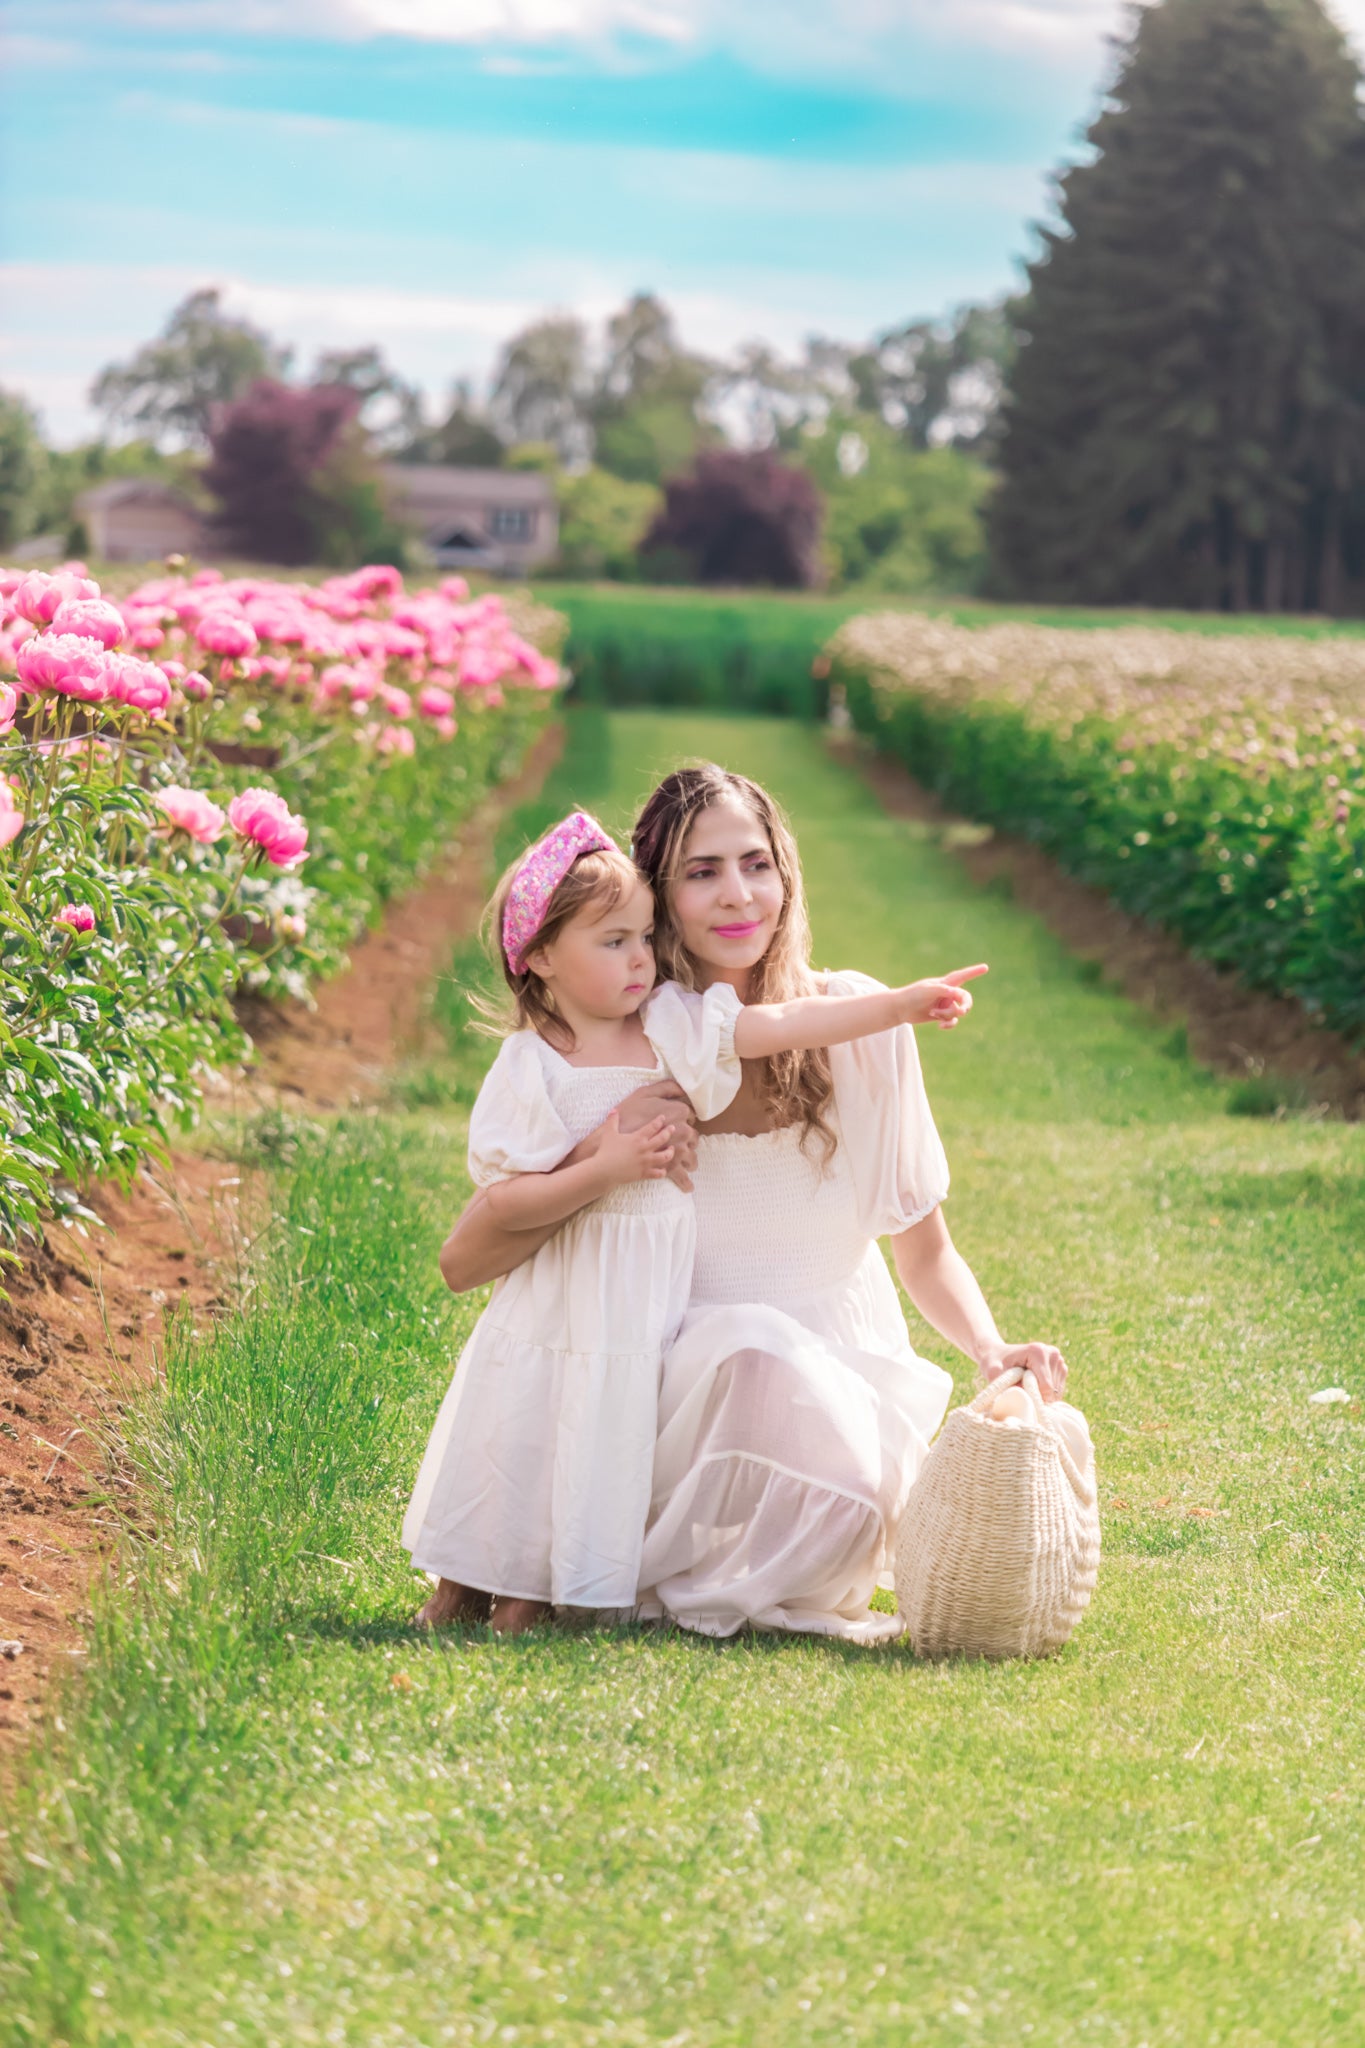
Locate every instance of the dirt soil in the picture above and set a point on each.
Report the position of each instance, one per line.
(84, 1319)
(1234, 1030)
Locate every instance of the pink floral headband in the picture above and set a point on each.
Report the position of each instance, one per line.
(539, 875)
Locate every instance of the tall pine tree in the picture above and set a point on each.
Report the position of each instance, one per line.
(1186, 418)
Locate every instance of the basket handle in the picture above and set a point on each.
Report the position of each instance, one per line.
(1015, 1376)
(1018, 1376)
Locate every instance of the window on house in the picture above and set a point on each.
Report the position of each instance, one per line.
(510, 522)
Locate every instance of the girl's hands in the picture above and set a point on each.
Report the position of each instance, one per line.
(1044, 1361)
(624, 1156)
(666, 1099)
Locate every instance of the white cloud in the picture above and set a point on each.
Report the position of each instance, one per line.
(869, 38)
(448, 21)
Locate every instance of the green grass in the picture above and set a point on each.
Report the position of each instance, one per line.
(272, 1816)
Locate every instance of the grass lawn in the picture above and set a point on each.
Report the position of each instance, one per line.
(273, 1816)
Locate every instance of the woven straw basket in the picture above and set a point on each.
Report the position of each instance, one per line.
(999, 1546)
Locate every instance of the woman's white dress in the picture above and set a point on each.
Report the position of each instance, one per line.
(536, 1478)
(793, 1412)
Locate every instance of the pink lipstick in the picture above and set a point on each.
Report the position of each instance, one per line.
(737, 931)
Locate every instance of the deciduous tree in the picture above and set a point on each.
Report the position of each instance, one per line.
(741, 518)
(271, 451)
(203, 358)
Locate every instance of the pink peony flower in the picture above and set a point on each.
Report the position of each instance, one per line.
(395, 739)
(445, 728)
(263, 817)
(92, 617)
(455, 588)
(196, 687)
(39, 596)
(9, 705)
(78, 917)
(11, 817)
(138, 684)
(376, 579)
(189, 810)
(60, 661)
(434, 703)
(223, 632)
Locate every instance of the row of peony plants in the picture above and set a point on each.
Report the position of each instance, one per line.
(1212, 783)
(207, 788)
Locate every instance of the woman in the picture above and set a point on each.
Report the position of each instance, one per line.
(794, 1413)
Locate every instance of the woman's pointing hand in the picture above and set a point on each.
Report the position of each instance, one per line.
(944, 1001)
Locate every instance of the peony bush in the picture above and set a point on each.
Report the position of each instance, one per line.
(1213, 783)
(206, 789)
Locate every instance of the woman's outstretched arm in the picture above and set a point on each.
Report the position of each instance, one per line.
(765, 1028)
(947, 1294)
(480, 1249)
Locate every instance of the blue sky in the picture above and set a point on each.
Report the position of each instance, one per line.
(432, 173)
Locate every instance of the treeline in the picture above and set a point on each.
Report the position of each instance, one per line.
(863, 466)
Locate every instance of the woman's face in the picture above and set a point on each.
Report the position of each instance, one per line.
(728, 896)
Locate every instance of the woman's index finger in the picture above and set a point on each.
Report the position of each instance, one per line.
(961, 974)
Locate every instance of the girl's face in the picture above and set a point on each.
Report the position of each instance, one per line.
(601, 965)
(728, 895)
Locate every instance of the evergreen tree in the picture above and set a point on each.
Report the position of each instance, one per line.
(1185, 421)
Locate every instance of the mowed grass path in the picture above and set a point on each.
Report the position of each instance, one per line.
(279, 1818)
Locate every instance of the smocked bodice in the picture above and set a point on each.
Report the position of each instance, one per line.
(775, 1223)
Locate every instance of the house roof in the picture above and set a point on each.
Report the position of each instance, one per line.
(123, 490)
(438, 484)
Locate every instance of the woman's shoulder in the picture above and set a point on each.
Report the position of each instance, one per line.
(670, 997)
(847, 981)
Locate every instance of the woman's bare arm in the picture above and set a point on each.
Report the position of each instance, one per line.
(480, 1249)
(947, 1294)
(765, 1028)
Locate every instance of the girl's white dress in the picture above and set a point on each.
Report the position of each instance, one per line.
(536, 1479)
(793, 1412)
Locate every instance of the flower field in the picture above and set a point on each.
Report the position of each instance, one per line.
(1215, 784)
(209, 787)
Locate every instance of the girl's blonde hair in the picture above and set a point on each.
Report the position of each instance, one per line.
(797, 1087)
(598, 881)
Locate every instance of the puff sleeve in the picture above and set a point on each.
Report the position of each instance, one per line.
(693, 1032)
(514, 1127)
(897, 1159)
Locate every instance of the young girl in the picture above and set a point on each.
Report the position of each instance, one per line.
(535, 1484)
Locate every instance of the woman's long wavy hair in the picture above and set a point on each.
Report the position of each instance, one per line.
(796, 1086)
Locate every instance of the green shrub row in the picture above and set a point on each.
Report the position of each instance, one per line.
(696, 650)
(1216, 787)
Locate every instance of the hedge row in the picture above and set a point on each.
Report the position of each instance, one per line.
(1214, 785)
(697, 651)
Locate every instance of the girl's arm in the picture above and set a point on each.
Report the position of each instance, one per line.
(528, 1201)
(764, 1028)
(947, 1294)
(480, 1248)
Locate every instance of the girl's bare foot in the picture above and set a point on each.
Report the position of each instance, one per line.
(452, 1602)
(514, 1617)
